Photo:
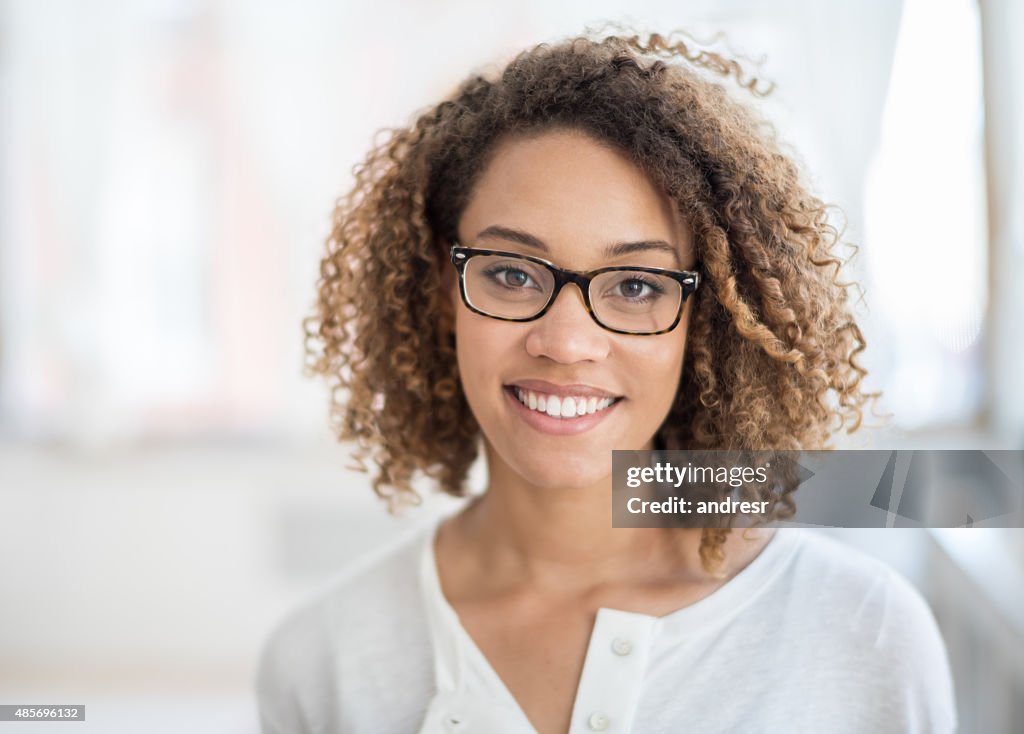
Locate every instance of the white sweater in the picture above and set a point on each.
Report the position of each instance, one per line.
(812, 636)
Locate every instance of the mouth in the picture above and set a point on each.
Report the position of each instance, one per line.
(560, 410)
(567, 404)
(557, 410)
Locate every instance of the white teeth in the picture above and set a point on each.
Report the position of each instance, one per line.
(561, 407)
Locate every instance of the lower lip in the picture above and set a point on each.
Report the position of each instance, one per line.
(558, 426)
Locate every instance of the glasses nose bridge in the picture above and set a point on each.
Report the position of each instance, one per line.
(582, 283)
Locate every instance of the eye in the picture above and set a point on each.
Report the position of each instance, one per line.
(636, 287)
(633, 288)
(510, 276)
(516, 278)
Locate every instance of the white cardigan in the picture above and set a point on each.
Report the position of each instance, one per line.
(812, 636)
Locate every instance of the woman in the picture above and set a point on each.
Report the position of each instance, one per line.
(452, 314)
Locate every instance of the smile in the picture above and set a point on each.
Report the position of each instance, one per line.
(561, 406)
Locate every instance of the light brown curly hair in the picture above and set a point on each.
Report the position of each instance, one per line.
(772, 347)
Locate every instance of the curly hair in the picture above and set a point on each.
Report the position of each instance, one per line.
(772, 347)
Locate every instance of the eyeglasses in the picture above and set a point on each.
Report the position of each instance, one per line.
(626, 300)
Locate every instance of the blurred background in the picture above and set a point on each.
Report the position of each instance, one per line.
(168, 483)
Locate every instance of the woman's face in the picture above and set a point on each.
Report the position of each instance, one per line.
(566, 198)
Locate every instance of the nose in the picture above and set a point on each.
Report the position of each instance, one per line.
(567, 333)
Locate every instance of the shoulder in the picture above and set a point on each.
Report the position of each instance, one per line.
(875, 628)
(871, 597)
(368, 614)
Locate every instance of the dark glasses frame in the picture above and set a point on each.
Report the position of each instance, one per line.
(688, 281)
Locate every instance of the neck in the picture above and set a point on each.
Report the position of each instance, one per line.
(554, 537)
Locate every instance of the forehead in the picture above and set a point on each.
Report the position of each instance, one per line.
(573, 193)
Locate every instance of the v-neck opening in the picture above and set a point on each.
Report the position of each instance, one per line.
(450, 663)
(707, 613)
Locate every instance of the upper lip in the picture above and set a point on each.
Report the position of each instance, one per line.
(551, 388)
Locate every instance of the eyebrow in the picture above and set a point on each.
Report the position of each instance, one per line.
(614, 250)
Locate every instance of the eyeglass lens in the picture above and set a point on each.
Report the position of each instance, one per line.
(628, 300)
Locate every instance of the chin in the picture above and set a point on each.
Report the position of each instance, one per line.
(564, 469)
(559, 461)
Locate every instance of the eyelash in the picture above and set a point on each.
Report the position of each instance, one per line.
(505, 268)
(655, 287)
(495, 270)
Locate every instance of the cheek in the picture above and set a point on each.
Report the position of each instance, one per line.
(659, 363)
(469, 337)
(481, 346)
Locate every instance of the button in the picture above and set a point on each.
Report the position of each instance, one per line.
(622, 646)
(597, 721)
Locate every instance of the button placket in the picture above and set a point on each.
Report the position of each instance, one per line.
(613, 672)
